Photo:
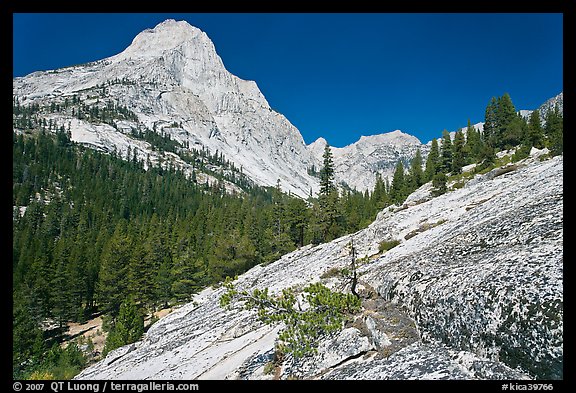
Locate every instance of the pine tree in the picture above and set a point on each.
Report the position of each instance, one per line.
(112, 283)
(141, 285)
(491, 129)
(398, 188)
(158, 261)
(439, 184)
(326, 314)
(487, 157)
(473, 144)
(433, 161)
(535, 133)
(458, 159)
(327, 172)
(333, 219)
(379, 198)
(164, 283)
(127, 328)
(446, 153)
(515, 132)
(183, 272)
(416, 172)
(296, 218)
(554, 131)
(76, 273)
(61, 292)
(316, 230)
(508, 129)
(27, 340)
(328, 199)
(278, 209)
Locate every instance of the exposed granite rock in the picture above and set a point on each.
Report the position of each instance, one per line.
(478, 294)
(490, 282)
(426, 361)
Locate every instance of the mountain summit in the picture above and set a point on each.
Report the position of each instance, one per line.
(174, 82)
(166, 36)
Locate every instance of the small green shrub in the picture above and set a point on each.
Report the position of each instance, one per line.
(386, 245)
(269, 368)
(332, 272)
(458, 185)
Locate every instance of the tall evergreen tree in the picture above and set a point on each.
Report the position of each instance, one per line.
(183, 273)
(27, 339)
(458, 159)
(296, 220)
(278, 209)
(112, 283)
(446, 153)
(61, 292)
(164, 283)
(327, 172)
(328, 199)
(398, 188)
(141, 285)
(515, 132)
(439, 184)
(379, 197)
(491, 129)
(432, 161)
(487, 156)
(554, 131)
(416, 172)
(127, 328)
(535, 133)
(473, 144)
(508, 127)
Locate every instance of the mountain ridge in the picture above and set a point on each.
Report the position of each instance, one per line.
(185, 84)
(171, 74)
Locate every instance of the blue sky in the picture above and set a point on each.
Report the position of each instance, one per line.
(342, 75)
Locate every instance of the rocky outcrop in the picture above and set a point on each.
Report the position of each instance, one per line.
(476, 294)
(357, 164)
(491, 281)
(426, 361)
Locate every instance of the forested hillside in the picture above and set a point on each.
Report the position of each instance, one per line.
(92, 231)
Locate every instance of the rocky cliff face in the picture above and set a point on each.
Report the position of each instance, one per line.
(550, 104)
(474, 290)
(174, 81)
(357, 164)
